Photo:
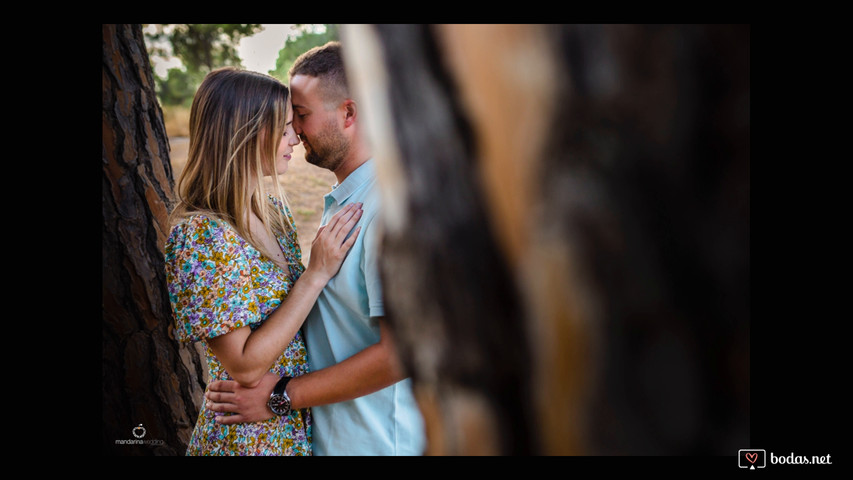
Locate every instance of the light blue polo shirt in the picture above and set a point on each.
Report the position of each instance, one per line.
(342, 323)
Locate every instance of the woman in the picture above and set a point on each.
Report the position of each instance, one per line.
(233, 262)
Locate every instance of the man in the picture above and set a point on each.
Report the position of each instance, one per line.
(362, 404)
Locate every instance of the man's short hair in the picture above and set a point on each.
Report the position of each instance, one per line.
(324, 62)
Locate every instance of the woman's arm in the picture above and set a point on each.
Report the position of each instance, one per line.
(246, 354)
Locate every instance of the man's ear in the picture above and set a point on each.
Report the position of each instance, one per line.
(350, 111)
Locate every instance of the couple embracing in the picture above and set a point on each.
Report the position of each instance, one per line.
(299, 357)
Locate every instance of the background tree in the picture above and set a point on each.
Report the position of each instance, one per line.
(304, 37)
(200, 48)
(148, 379)
(178, 88)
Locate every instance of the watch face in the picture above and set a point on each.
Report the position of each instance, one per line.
(279, 404)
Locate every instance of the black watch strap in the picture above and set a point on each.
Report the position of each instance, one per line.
(281, 385)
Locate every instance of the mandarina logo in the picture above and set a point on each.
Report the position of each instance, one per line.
(138, 431)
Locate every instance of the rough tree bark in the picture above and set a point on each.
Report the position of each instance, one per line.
(567, 231)
(148, 379)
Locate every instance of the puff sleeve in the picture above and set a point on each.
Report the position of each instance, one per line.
(209, 280)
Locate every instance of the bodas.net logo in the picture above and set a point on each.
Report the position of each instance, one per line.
(751, 458)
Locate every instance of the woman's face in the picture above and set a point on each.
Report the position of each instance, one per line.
(285, 145)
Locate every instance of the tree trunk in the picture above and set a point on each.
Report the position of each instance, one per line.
(152, 388)
(567, 232)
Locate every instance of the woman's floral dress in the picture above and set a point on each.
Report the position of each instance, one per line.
(217, 283)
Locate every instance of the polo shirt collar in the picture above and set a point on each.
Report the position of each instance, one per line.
(341, 191)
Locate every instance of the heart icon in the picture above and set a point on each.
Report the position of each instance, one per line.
(752, 457)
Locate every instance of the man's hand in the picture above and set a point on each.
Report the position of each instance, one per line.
(245, 404)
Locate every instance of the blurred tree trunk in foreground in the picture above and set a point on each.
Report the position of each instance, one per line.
(148, 380)
(566, 254)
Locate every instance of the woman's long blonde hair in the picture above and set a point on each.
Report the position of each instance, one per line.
(237, 120)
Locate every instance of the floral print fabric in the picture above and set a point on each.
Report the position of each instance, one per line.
(217, 283)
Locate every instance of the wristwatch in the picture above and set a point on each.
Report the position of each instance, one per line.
(279, 402)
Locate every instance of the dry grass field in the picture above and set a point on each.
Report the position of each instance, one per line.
(303, 184)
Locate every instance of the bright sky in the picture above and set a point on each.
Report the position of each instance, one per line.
(258, 52)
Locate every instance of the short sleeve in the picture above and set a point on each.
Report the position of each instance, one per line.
(209, 280)
(370, 266)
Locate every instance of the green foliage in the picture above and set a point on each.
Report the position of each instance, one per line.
(204, 47)
(304, 38)
(179, 86)
(201, 48)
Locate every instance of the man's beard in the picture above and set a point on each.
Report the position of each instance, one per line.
(328, 149)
